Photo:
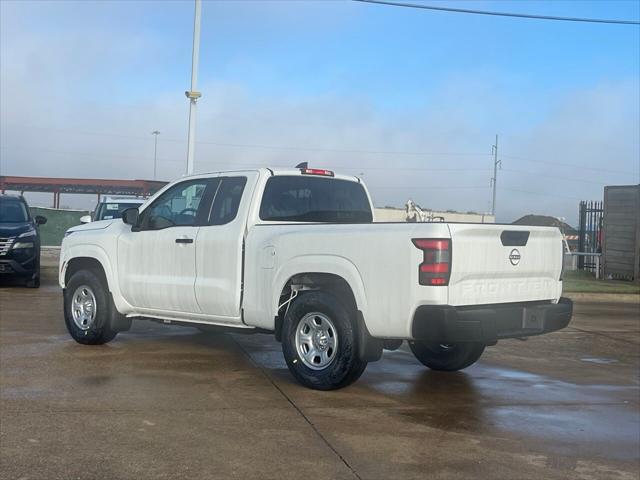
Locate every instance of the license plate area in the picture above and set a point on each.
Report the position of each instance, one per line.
(532, 319)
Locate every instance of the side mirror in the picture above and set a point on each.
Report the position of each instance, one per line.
(40, 220)
(131, 216)
(85, 219)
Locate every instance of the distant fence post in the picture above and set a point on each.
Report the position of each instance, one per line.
(582, 233)
(590, 234)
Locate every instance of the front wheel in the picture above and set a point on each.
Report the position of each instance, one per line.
(319, 342)
(87, 309)
(447, 357)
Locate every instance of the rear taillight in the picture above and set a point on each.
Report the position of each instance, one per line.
(435, 268)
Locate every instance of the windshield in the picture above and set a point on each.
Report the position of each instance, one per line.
(109, 211)
(13, 211)
(314, 199)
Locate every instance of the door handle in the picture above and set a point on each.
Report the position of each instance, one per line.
(184, 240)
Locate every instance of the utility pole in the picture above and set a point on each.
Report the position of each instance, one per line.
(193, 94)
(155, 154)
(496, 164)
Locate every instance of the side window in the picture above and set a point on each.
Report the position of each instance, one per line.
(227, 200)
(183, 204)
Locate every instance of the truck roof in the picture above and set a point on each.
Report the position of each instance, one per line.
(278, 171)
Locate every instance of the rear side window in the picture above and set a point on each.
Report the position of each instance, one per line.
(227, 200)
(314, 199)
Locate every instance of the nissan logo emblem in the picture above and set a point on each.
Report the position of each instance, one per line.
(514, 257)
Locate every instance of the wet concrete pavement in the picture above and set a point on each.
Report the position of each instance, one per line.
(168, 402)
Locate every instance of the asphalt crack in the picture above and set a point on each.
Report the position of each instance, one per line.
(300, 412)
(605, 335)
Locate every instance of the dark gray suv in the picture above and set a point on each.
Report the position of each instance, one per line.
(19, 241)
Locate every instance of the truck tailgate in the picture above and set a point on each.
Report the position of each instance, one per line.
(504, 263)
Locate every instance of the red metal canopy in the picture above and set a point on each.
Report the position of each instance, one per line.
(80, 185)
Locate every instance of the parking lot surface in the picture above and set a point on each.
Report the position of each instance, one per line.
(168, 402)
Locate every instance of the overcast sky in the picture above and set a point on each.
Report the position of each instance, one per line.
(410, 98)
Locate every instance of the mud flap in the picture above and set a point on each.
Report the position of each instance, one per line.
(369, 348)
(117, 321)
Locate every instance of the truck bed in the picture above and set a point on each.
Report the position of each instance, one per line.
(380, 263)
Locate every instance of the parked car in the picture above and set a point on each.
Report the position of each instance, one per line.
(110, 208)
(295, 252)
(19, 240)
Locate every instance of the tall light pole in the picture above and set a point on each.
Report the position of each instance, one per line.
(193, 94)
(496, 163)
(155, 133)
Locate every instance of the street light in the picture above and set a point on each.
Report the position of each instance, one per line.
(193, 94)
(155, 154)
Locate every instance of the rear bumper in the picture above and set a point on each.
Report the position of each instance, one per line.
(489, 323)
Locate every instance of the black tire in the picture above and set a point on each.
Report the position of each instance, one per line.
(447, 358)
(344, 366)
(97, 331)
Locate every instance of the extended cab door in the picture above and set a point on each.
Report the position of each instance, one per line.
(157, 260)
(219, 249)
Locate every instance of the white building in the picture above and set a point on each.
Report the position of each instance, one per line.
(387, 214)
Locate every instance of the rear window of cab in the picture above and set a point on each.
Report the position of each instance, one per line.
(314, 199)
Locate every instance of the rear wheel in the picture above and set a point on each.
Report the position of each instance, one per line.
(87, 309)
(447, 357)
(319, 342)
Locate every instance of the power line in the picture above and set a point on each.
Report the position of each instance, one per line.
(321, 149)
(274, 147)
(79, 154)
(474, 171)
(571, 165)
(77, 132)
(554, 177)
(343, 150)
(428, 187)
(543, 194)
(482, 171)
(501, 14)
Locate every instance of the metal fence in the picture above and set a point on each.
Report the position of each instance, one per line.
(590, 234)
(58, 221)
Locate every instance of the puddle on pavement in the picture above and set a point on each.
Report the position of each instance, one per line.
(485, 399)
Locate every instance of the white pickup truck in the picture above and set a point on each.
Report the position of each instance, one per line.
(295, 252)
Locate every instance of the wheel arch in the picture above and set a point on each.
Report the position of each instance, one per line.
(320, 270)
(77, 264)
(90, 257)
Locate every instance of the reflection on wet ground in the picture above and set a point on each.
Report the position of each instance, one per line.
(489, 399)
(172, 402)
